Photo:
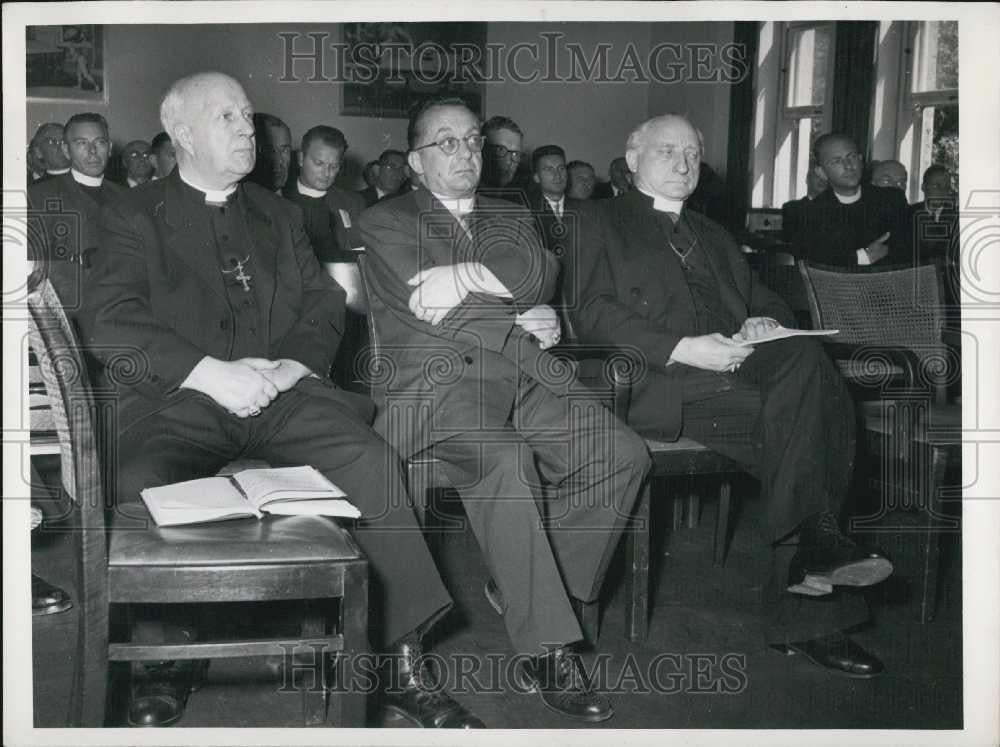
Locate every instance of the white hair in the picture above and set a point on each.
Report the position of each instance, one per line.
(637, 136)
(173, 107)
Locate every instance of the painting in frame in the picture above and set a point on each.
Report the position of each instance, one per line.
(66, 63)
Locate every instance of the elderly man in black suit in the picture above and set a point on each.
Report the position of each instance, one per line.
(65, 208)
(460, 284)
(47, 152)
(852, 223)
(213, 280)
(663, 281)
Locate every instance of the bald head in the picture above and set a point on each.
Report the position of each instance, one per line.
(889, 174)
(210, 122)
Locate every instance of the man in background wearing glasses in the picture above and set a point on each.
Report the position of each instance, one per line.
(138, 161)
(460, 284)
(851, 223)
(503, 143)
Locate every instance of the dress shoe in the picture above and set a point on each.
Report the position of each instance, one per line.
(47, 599)
(838, 654)
(560, 680)
(160, 695)
(828, 558)
(495, 597)
(411, 691)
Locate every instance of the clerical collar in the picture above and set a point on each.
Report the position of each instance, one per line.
(309, 191)
(58, 172)
(665, 204)
(457, 206)
(85, 180)
(211, 195)
(848, 199)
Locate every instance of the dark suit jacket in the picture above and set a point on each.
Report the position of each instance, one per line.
(370, 194)
(156, 295)
(461, 375)
(793, 222)
(346, 233)
(832, 233)
(65, 219)
(934, 239)
(555, 232)
(633, 294)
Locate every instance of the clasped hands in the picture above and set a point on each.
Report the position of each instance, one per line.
(716, 352)
(440, 289)
(245, 386)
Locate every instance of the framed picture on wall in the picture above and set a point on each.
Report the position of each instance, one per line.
(391, 67)
(66, 63)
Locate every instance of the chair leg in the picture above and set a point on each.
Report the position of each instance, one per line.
(347, 698)
(312, 684)
(930, 560)
(637, 536)
(722, 523)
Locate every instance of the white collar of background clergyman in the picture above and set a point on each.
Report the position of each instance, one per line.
(457, 206)
(85, 180)
(211, 195)
(309, 191)
(664, 204)
(848, 200)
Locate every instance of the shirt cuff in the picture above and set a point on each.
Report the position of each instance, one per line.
(863, 258)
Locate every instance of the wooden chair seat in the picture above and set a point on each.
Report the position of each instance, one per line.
(273, 539)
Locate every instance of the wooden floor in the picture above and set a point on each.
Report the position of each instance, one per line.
(700, 614)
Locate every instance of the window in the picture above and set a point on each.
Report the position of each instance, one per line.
(796, 60)
(929, 107)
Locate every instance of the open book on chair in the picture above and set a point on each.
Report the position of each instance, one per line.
(285, 491)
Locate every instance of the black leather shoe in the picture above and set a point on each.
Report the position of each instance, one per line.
(495, 597)
(560, 680)
(47, 599)
(411, 691)
(160, 696)
(828, 558)
(840, 655)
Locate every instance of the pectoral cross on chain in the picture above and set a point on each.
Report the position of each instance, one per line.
(240, 273)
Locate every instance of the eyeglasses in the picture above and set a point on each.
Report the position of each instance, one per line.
(841, 161)
(502, 152)
(52, 141)
(137, 154)
(449, 145)
(393, 166)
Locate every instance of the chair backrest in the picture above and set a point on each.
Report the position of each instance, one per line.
(64, 371)
(872, 307)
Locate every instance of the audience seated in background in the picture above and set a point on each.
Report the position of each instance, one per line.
(581, 180)
(619, 180)
(934, 225)
(473, 292)
(389, 179)
(659, 278)
(889, 174)
(793, 213)
(66, 208)
(502, 157)
(137, 158)
(548, 201)
(164, 157)
(198, 246)
(853, 223)
(274, 152)
(48, 152)
(370, 173)
(331, 222)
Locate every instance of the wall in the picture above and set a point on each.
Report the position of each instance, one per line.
(591, 119)
(705, 103)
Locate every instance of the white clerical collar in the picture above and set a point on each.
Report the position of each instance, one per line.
(309, 191)
(211, 195)
(457, 206)
(847, 199)
(87, 181)
(615, 191)
(665, 204)
(58, 172)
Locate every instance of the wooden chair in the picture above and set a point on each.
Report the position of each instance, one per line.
(123, 562)
(892, 339)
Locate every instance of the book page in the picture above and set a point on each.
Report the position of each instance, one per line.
(263, 486)
(318, 507)
(196, 500)
(780, 333)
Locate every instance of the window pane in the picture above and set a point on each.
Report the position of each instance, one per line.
(808, 132)
(809, 50)
(935, 66)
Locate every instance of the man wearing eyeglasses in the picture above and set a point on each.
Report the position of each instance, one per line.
(502, 156)
(274, 152)
(389, 179)
(851, 223)
(138, 162)
(46, 147)
(67, 207)
(460, 284)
